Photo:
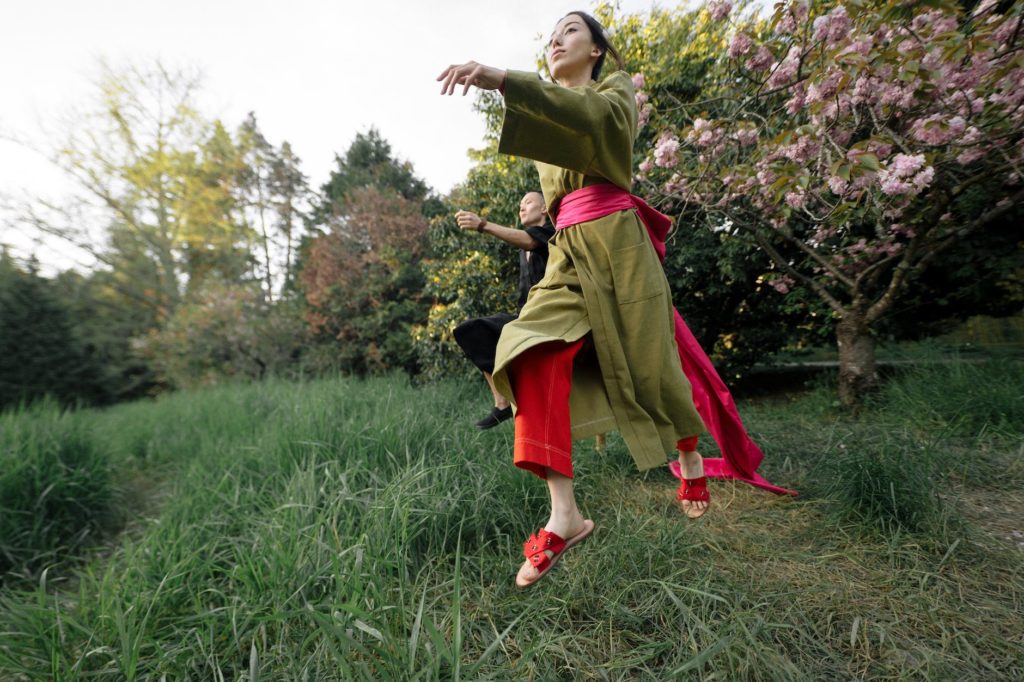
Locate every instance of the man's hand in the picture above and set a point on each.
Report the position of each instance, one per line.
(468, 220)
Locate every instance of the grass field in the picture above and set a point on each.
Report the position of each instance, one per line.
(345, 529)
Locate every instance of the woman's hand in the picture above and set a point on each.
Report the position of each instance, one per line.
(468, 220)
(470, 73)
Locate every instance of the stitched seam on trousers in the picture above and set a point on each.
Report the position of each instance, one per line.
(544, 446)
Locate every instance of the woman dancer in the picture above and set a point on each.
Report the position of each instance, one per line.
(604, 285)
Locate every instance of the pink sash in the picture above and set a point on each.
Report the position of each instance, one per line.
(740, 455)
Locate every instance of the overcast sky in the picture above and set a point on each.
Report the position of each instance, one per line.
(315, 72)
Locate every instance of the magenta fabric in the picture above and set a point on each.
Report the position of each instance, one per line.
(740, 455)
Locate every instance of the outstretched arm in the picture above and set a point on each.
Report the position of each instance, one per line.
(589, 130)
(468, 220)
(470, 73)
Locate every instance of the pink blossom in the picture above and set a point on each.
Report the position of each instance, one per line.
(944, 23)
(906, 175)
(933, 60)
(957, 125)
(797, 198)
(1006, 30)
(937, 130)
(795, 103)
(865, 90)
(703, 133)
(897, 229)
(833, 27)
(782, 284)
(666, 150)
(825, 88)
(803, 150)
(761, 60)
(643, 108)
(746, 136)
(862, 47)
(638, 81)
(766, 177)
(786, 70)
(643, 115)
(719, 9)
(969, 156)
(841, 136)
(880, 149)
(904, 165)
(859, 246)
(677, 185)
(906, 46)
(893, 186)
(646, 166)
(924, 178)
(740, 45)
(838, 185)
(863, 181)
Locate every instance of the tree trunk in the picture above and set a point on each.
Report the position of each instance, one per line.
(857, 375)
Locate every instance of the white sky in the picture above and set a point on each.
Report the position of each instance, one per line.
(315, 72)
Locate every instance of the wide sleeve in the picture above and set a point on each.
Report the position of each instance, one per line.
(589, 130)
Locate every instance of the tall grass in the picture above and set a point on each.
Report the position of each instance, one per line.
(350, 529)
(57, 488)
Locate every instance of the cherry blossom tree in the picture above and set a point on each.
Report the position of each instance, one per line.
(852, 142)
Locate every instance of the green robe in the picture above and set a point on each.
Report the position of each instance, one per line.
(603, 277)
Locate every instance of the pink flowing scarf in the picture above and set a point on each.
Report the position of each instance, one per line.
(740, 455)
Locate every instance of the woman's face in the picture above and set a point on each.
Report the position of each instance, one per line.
(571, 49)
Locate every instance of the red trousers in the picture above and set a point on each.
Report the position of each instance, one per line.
(541, 380)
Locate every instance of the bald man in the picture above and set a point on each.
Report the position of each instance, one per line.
(479, 337)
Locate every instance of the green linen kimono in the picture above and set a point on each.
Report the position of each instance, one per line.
(603, 276)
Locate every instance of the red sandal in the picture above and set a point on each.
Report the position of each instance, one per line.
(694, 490)
(535, 550)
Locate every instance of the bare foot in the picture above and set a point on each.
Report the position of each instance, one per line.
(566, 528)
(691, 466)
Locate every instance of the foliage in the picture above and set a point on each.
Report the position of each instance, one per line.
(40, 352)
(174, 208)
(274, 200)
(368, 162)
(156, 177)
(363, 282)
(226, 331)
(846, 141)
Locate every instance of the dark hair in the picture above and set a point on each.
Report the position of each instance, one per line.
(600, 39)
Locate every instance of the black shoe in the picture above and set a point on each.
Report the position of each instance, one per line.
(494, 418)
